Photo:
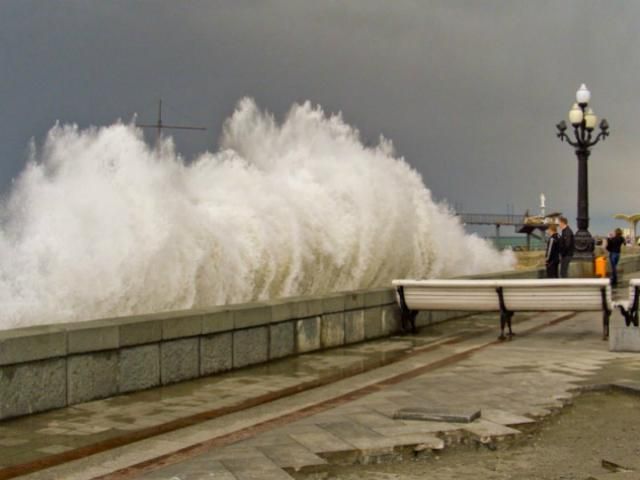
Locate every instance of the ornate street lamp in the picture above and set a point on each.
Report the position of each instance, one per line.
(583, 121)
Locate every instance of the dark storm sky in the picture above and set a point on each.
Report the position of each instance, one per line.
(469, 91)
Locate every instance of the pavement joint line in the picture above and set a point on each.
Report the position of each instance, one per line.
(248, 432)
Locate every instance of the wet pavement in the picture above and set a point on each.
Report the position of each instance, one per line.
(329, 407)
(593, 439)
(103, 424)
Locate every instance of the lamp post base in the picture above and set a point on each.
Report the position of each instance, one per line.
(584, 246)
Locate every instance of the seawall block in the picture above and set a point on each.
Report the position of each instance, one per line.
(332, 330)
(282, 342)
(91, 376)
(354, 326)
(250, 346)
(33, 387)
(308, 334)
(217, 320)
(138, 330)
(29, 344)
(373, 323)
(251, 315)
(179, 360)
(216, 353)
(96, 336)
(139, 368)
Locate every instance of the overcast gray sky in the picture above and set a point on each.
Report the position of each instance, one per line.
(469, 91)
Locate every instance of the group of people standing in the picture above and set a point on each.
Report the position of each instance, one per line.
(560, 247)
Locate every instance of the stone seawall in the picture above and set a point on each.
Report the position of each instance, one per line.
(47, 367)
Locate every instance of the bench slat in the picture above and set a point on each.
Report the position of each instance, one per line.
(563, 282)
(505, 296)
(519, 295)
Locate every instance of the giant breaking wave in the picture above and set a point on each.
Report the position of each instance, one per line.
(100, 224)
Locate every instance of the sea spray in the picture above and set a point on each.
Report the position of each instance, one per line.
(100, 224)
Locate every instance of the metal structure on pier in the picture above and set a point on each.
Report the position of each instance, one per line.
(527, 224)
(496, 219)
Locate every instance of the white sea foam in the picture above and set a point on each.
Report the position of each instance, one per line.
(100, 224)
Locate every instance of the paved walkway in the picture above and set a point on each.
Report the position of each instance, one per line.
(83, 429)
(458, 365)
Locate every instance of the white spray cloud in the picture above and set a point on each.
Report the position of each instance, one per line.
(99, 224)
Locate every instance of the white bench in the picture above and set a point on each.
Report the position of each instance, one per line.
(504, 296)
(629, 308)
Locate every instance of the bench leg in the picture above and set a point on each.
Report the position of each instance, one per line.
(630, 316)
(505, 321)
(409, 321)
(625, 314)
(605, 324)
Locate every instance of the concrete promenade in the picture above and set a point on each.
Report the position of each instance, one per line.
(458, 365)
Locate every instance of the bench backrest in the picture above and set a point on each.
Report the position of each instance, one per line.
(584, 294)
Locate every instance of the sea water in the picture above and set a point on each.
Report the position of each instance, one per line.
(102, 224)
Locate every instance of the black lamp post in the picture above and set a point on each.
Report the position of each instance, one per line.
(583, 121)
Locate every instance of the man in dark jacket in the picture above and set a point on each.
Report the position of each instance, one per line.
(566, 247)
(614, 246)
(552, 257)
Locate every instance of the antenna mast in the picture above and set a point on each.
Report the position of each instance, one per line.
(159, 126)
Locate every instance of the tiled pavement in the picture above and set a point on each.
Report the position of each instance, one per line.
(512, 382)
(346, 421)
(30, 438)
(33, 438)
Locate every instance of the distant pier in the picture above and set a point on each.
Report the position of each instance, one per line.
(522, 223)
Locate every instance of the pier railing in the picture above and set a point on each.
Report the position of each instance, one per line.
(491, 219)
